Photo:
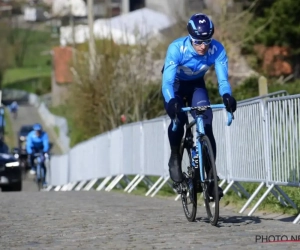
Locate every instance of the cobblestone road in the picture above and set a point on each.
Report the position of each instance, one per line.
(100, 220)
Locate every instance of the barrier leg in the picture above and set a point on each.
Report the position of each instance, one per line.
(242, 189)
(154, 186)
(126, 179)
(160, 186)
(57, 188)
(136, 183)
(114, 182)
(227, 188)
(148, 182)
(177, 197)
(236, 191)
(297, 219)
(49, 188)
(261, 200)
(286, 197)
(90, 185)
(80, 185)
(222, 183)
(277, 196)
(131, 182)
(252, 197)
(71, 186)
(103, 183)
(65, 187)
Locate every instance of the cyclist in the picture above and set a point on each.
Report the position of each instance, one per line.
(14, 109)
(187, 60)
(37, 141)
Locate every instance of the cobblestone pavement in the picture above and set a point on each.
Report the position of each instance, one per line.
(101, 220)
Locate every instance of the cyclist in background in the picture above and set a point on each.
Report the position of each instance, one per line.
(37, 142)
(14, 109)
(187, 60)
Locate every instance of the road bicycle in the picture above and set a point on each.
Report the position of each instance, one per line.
(201, 175)
(39, 162)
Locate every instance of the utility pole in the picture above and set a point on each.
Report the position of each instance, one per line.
(108, 8)
(92, 47)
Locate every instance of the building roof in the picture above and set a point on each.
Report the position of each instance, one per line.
(138, 24)
(130, 28)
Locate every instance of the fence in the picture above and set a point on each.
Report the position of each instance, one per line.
(261, 146)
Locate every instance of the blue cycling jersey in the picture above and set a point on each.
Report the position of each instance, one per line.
(14, 106)
(183, 63)
(37, 143)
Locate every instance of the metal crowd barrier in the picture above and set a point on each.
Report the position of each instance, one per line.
(261, 145)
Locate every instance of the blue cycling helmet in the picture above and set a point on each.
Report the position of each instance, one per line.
(200, 27)
(37, 127)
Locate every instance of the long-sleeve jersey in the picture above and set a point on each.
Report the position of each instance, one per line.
(37, 142)
(183, 63)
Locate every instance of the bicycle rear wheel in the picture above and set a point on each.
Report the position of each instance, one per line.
(188, 196)
(39, 176)
(210, 185)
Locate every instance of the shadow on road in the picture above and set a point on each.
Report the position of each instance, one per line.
(229, 221)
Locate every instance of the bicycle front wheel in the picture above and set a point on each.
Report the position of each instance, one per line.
(210, 184)
(188, 195)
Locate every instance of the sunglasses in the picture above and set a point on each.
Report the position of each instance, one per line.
(200, 42)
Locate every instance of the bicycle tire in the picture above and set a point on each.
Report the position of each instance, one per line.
(40, 184)
(190, 215)
(208, 158)
(39, 178)
(23, 172)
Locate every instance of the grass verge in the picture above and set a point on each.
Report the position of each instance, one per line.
(56, 130)
(269, 205)
(22, 74)
(9, 134)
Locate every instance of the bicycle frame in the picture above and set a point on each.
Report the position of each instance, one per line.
(200, 127)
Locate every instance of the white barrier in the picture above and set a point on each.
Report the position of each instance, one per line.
(53, 121)
(261, 146)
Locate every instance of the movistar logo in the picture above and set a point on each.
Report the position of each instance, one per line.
(183, 49)
(212, 50)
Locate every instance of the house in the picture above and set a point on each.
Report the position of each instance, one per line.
(134, 27)
(78, 8)
(130, 28)
(68, 7)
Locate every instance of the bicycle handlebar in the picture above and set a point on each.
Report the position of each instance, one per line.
(230, 116)
(46, 155)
